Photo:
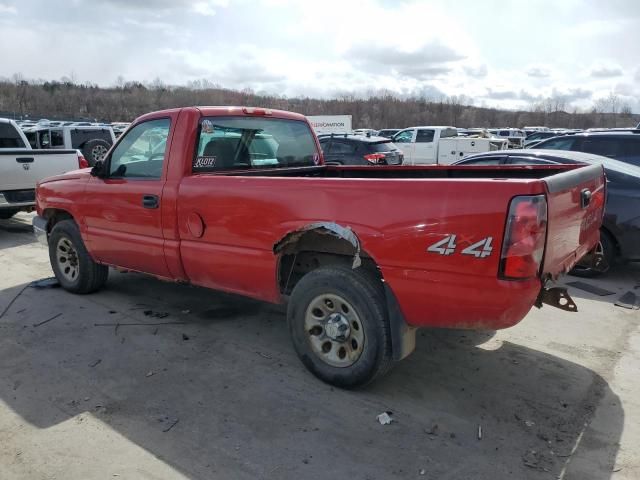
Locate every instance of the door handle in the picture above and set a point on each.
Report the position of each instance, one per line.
(585, 198)
(24, 159)
(150, 201)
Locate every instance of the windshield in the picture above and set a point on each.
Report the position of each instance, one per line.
(227, 143)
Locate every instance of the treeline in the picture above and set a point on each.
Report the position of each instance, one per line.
(68, 99)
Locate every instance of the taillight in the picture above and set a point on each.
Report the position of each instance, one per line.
(82, 162)
(523, 245)
(375, 158)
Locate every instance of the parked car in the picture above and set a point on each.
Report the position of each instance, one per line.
(514, 136)
(540, 136)
(623, 146)
(93, 141)
(365, 131)
(620, 232)
(388, 132)
(21, 168)
(359, 150)
(363, 256)
(440, 145)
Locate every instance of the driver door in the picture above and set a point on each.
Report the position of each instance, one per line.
(124, 209)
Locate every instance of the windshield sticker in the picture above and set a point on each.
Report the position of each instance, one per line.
(204, 162)
(207, 126)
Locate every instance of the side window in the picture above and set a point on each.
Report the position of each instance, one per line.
(425, 136)
(564, 143)
(43, 139)
(404, 137)
(607, 147)
(342, 148)
(484, 161)
(57, 139)
(140, 154)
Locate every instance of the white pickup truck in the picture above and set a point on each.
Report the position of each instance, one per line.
(21, 168)
(440, 145)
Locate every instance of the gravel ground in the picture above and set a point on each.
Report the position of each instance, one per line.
(219, 392)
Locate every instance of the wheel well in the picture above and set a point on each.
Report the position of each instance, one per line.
(315, 248)
(616, 243)
(55, 215)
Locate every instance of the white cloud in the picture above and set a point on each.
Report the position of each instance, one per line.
(10, 9)
(295, 47)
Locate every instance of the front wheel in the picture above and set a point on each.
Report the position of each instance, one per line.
(339, 327)
(71, 263)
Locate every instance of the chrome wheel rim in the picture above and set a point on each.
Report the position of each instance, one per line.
(334, 330)
(67, 258)
(98, 152)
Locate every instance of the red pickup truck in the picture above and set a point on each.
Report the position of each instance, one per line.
(238, 199)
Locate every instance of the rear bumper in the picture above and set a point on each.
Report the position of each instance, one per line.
(7, 203)
(40, 230)
(453, 300)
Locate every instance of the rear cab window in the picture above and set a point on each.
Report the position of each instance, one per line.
(240, 143)
(9, 137)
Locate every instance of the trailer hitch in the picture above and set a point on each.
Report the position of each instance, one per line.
(556, 297)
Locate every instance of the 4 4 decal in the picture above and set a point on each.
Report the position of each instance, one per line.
(447, 246)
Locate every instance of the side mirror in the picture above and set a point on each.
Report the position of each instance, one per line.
(98, 169)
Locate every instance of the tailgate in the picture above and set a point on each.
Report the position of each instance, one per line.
(575, 203)
(22, 169)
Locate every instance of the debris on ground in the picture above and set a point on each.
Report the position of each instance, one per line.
(265, 355)
(6, 309)
(591, 288)
(135, 324)
(529, 423)
(433, 430)
(95, 363)
(151, 313)
(422, 471)
(479, 432)
(629, 300)
(150, 373)
(185, 337)
(47, 320)
(385, 418)
(186, 312)
(171, 425)
(51, 282)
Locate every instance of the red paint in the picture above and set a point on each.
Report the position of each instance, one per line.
(218, 230)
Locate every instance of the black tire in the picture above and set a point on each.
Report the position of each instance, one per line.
(7, 214)
(609, 251)
(95, 150)
(89, 276)
(364, 293)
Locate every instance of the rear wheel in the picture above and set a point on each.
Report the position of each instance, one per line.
(339, 327)
(71, 263)
(607, 248)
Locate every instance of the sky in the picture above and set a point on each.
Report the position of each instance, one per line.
(506, 54)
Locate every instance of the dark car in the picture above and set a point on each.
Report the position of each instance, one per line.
(619, 145)
(359, 150)
(620, 232)
(388, 132)
(539, 136)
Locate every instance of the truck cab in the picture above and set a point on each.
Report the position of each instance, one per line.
(440, 145)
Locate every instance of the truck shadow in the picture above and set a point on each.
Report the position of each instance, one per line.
(16, 231)
(220, 394)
